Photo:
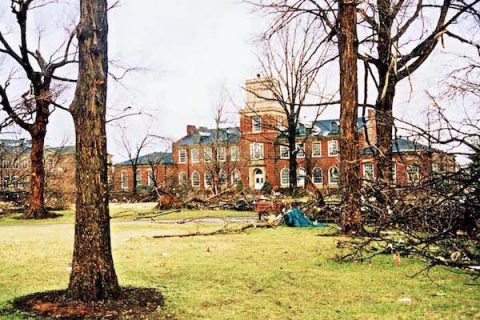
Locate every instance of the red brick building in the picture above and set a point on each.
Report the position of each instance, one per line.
(256, 152)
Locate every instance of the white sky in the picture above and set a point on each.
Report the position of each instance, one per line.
(190, 49)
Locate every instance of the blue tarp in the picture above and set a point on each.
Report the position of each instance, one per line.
(296, 218)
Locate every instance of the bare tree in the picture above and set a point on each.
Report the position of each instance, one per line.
(93, 274)
(292, 59)
(32, 110)
(133, 153)
(221, 154)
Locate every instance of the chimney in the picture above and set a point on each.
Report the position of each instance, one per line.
(191, 129)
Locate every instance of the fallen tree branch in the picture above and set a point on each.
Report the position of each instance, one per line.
(217, 232)
(157, 214)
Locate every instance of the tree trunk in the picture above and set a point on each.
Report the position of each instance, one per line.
(36, 209)
(386, 93)
(134, 182)
(292, 160)
(384, 129)
(351, 221)
(93, 274)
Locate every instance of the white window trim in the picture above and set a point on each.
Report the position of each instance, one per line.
(330, 176)
(124, 181)
(222, 150)
(304, 177)
(205, 179)
(364, 171)
(195, 154)
(282, 184)
(236, 175)
(319, 149)
(258, 120)
(394, 171)
(234, 155)
(252, 151)
(184, 151)
(313, 176)
(207, 155)
(193, 180)
(297, 147)
(282, 148)
(331, 143)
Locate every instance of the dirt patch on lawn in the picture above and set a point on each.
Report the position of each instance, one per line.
(134, 303)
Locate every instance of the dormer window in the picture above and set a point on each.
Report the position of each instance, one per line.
(256, 124)
(335, 129)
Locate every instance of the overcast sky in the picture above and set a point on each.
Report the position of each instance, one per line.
(188, 50)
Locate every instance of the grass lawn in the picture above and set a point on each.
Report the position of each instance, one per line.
(281, 273)
(127, 212)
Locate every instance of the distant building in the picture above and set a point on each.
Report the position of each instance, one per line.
(255, 152)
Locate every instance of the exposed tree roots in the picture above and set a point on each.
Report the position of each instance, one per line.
(133, 303)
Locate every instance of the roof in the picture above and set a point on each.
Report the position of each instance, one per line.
(9, 145)
(62, 149)
(154, 157)
(208, 136)
(401, 145)
(331, 127)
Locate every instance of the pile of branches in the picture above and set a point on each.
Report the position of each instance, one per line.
(437, 220)
(230, 199)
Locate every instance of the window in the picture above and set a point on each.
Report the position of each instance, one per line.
(317, 176)
(221, 154)
(236, 179)
(234, 153)
(223, 177)
(151, 178)
(139, 178)
(207, 155)
(316, 149)
(208, 179)
(301, 174)
(182, 156)
(256, 124)
(25, 164)
(333, 148)
(333, 175)
(256, 151)
(284, 152)
(368, 171)
(5, 164)
(300, 150)
(285, 178)
(124, 181)
(413, 173)
(195, 154)
(195, 179)
(16, 165)
(182, 177)
(335, 128)
(6, 181)
(394, 171)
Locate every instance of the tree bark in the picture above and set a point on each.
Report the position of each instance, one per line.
(351, 220)
(93, 274)
(36, 209)
(292, 160)
(384, 103)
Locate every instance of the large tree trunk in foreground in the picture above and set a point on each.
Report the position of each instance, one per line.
(351, 221)
(36, 209)
(93, 274)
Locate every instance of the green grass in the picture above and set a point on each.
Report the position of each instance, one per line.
(127, 212)
(281, 273)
